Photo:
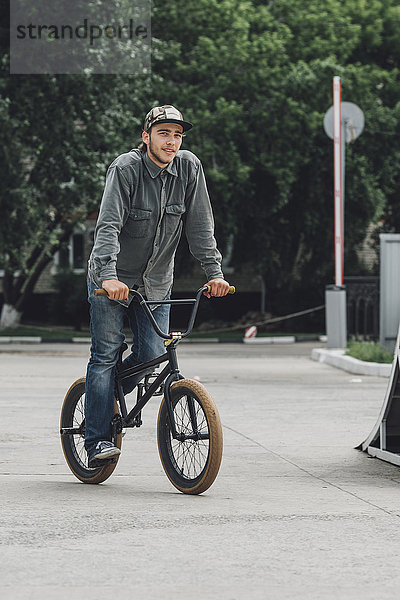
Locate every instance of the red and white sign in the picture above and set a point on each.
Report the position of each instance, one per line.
(250, 332)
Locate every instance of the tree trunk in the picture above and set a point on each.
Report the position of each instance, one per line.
(10, 317)
(16, 290)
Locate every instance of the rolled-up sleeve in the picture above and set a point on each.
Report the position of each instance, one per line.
(199, 225)
(114, 211)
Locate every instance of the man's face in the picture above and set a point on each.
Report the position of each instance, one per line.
(163, 142)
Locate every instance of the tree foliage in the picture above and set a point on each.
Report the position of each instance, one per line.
(256, 79)
(53, 147)
(58, 134)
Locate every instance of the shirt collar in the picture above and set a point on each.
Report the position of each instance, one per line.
(154, 170)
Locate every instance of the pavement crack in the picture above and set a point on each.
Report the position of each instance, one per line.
(327, 482)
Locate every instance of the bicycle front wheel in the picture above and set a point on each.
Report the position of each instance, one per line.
(192, 461)
(73, 444)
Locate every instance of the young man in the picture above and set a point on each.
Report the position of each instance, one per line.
(150, 195)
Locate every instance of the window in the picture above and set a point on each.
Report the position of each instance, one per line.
(72, 256)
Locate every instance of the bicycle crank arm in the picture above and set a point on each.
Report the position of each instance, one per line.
(72, 431)
(182, 437)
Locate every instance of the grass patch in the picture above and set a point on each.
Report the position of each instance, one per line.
(44, 332)
(369, 352)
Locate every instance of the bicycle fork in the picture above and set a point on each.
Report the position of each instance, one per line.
(175, 376)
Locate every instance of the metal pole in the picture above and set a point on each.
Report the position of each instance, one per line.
(335, 295)
(338, 179)
(343, 142)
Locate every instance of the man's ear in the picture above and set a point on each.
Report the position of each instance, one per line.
(145, 137)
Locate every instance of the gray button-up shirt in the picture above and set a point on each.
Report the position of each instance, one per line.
(140, 222)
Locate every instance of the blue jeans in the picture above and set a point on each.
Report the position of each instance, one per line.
(106, 325)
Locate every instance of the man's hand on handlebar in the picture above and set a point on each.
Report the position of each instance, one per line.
(219, 287)
(116, 290)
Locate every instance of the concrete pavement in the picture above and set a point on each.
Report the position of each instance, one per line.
(295, 513)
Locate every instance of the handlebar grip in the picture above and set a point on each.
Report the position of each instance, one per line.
(100, 292)
(232, 289)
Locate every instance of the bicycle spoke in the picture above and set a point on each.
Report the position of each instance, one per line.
(192, 459)
(78, 445)
(189, 456)
(73, 418)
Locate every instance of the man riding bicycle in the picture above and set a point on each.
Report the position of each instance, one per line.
(151, 194)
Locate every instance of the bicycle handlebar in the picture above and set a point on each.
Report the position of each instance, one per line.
(205, 288)
(144, 303)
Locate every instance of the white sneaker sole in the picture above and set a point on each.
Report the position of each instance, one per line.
(109, 453)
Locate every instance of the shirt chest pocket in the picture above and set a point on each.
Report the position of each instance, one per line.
(173, 215)
(138, 223)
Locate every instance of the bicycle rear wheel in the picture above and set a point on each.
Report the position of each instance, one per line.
(190, 464)
(73, 445)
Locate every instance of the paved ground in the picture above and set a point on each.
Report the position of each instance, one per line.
(296, 512)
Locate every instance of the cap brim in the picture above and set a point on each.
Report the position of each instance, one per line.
(185, 124)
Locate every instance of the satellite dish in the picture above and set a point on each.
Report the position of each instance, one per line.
(352, 118)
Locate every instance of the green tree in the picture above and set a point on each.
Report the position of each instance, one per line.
(257, 80)
(58, 134)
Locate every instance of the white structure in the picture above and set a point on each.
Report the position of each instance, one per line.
(384, 440)
(389, 316)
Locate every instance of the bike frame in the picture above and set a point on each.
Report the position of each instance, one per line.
(169, 374)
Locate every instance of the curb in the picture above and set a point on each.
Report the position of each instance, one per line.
(284, 339)
(40, 340)
(338, 359)
(289, 339)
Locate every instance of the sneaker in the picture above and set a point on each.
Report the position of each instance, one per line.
(103, 452)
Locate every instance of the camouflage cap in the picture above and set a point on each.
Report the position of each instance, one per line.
(165, 114)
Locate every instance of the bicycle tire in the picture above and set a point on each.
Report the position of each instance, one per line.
(72, 415)
(190, 465)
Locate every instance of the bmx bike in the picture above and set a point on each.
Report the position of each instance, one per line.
(189, 431)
